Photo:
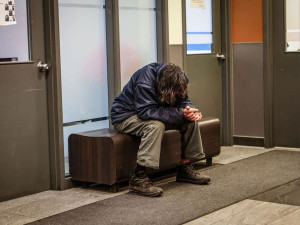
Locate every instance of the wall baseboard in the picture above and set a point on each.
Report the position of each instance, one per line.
(248, 141)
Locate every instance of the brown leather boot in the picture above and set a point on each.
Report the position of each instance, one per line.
(187, 173)
(143, 185)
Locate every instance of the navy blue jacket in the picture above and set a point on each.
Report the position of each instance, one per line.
(139, 97)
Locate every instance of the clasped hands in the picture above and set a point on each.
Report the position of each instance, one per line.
(192, 114)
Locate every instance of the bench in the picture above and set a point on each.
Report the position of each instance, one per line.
(107, 157)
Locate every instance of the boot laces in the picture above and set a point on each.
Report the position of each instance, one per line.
(191, 170)
(144, 181)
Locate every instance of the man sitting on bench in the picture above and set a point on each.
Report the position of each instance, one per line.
(154, 100)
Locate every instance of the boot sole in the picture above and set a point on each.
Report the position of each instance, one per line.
(156, 194)
(193, 181)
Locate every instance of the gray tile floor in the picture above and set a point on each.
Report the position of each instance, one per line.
(251, 211)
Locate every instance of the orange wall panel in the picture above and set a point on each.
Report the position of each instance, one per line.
(247, 21)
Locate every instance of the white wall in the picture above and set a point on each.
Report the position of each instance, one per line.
(175, 22)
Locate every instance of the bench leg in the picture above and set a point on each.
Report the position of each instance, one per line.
(208, 161)
(114, 188)
(85, 185)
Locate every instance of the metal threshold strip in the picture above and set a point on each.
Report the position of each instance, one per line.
(85, 121)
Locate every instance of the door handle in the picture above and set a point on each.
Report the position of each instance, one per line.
(220, 57)
(43, 66)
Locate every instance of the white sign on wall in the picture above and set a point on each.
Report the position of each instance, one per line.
(7, 12)
(198, 4)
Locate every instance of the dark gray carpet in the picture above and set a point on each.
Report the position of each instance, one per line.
(288, 194)
(181, 203)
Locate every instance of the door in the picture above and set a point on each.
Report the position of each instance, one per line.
(286, 61)
(203, 67)
(24, 144)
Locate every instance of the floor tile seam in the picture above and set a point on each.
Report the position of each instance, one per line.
(293, 206)
(278, 219)
(284, 215)
(261, 202)
(236, 212)
(287, 149)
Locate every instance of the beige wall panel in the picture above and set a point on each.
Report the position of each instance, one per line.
(175, 22)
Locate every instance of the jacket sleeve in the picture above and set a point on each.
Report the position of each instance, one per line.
(147, 107)
(183, 102)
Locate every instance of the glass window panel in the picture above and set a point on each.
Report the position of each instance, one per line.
(83, 66)
(292, 17)
(199, 27)
(14, 40)
(83, 59)
(77, 129)
(138, 46)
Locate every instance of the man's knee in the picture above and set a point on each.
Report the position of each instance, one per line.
(189, 124)
(193, 123)
(154, 128)
(158, 126)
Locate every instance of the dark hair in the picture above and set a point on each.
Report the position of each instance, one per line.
(171, 81)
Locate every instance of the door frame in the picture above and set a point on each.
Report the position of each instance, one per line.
(58, 181)
(227, 85)
(268, 75)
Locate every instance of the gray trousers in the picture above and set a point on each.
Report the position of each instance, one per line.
(151, 133)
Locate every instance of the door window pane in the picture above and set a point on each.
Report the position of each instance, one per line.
(292, 17)
(83, 65)
(199, 27)
(138, 46)
(14, 40)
